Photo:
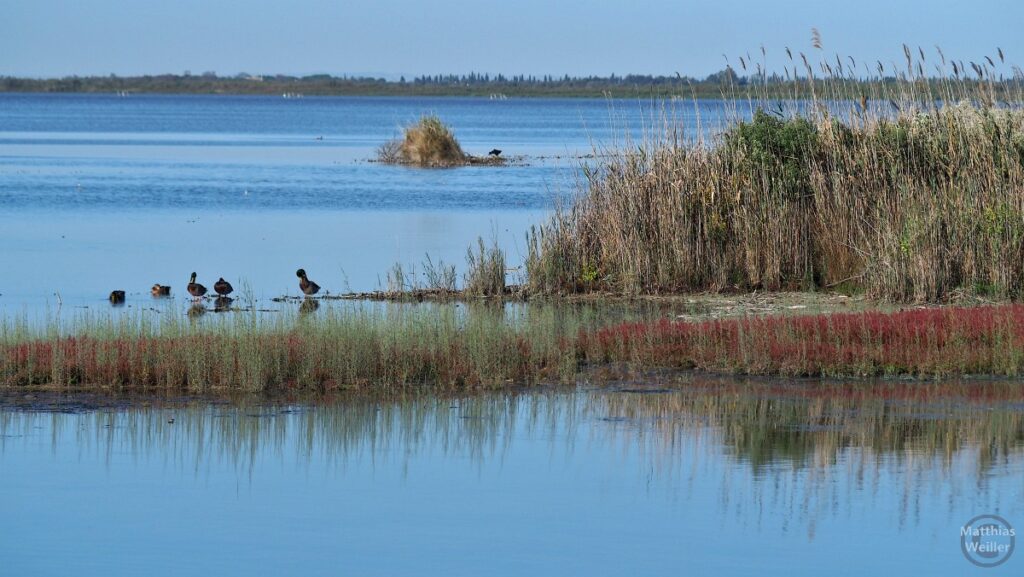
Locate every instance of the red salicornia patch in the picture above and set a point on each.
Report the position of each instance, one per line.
(926, 342)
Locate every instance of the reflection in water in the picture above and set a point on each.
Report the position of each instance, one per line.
(222, 304)
(894, 467)
(764, 432)
(309, 305)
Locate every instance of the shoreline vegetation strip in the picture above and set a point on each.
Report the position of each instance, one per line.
(486, 349)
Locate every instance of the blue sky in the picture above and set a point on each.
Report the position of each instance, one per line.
(45, 38)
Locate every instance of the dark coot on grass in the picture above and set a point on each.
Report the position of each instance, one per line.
(307, 286)
(195, 289)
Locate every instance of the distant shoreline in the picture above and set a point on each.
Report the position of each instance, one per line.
(721, 85)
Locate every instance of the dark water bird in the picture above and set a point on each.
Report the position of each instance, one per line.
(117, 297)
(160, 290)
(307, 286)
(223, 287)
(494, 152)
(195, 289)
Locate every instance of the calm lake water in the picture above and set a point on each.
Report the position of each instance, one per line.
(101, 193)
(799, 479)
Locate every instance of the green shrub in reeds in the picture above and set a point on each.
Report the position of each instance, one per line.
(900, 195)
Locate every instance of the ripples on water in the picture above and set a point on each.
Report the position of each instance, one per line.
(641, 480)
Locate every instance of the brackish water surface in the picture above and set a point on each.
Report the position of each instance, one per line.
(720, 479)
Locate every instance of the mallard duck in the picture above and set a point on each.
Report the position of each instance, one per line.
(160, 290)
(222, 287)
(307, 286)
(195, 289)
(117, 297)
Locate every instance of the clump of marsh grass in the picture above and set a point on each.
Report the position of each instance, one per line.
(486, 270)
(903, 186)
(437, 279)
(338, 347)
(427, 142)
(400, 281)
(440, 277)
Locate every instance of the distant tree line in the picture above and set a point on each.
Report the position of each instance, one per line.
(724, 83)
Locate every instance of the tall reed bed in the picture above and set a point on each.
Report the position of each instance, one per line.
(911, 190)
(926, 343)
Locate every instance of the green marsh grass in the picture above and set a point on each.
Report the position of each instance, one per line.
(485, 275)
(336, 347)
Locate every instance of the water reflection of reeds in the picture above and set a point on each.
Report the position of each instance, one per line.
(762, 426)
(772, 452)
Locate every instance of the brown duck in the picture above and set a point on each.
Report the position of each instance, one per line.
(160, 290)
(117, 297)
(195, 289)
(307, 286)
(222, 287)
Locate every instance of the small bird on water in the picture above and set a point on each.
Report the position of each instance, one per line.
(195, 289)
(117, 297)
(307, 286)
(223, 287)
(494, 152)
(160, 290)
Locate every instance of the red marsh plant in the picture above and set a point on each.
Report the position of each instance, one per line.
(927, 342)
